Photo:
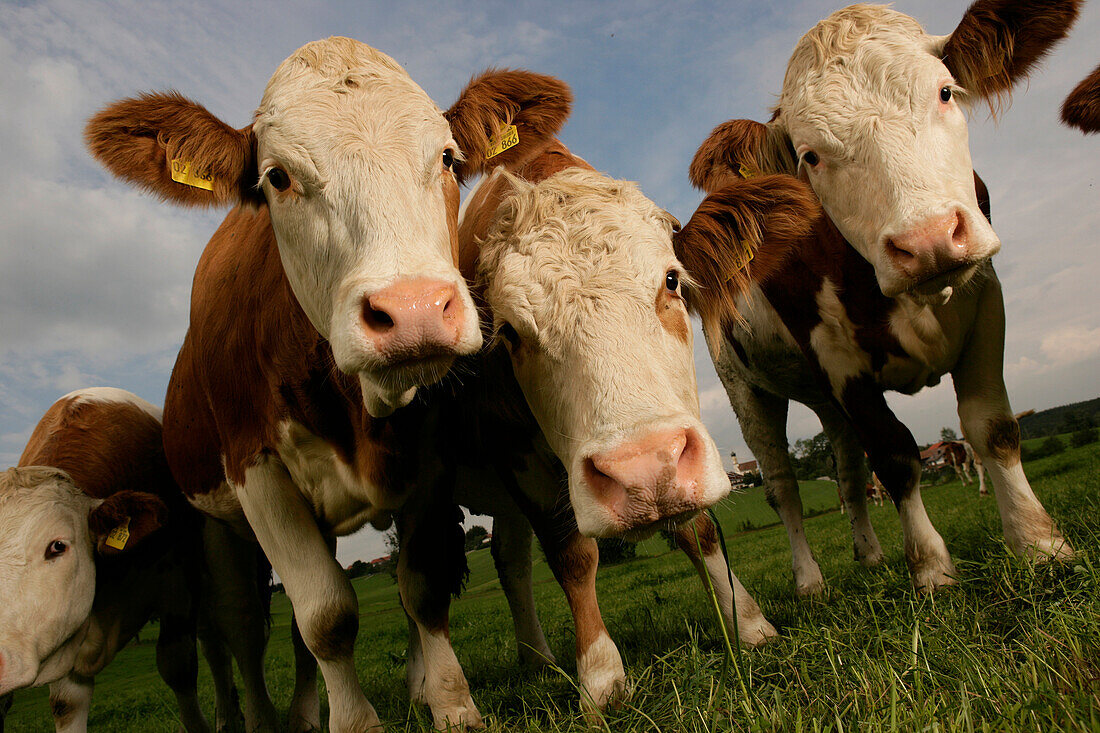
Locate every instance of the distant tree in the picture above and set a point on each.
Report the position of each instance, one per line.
(813, 457)
(358, 569)
(948, 435)
(614, 550)
(475, 536)
(1084, 436)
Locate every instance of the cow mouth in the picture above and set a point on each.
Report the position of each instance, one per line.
(935, 283)
(645, 531)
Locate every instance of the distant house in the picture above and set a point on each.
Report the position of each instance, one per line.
(738, 476)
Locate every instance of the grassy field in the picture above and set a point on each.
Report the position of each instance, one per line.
(1011, 648)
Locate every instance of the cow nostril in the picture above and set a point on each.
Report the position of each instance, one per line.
(959, 232)
(603, 485)
(898, 252)
(376, 319)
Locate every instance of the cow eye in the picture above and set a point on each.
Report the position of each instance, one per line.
(448, 158)
(672, 280)
(56, 549)
(810, 158)
(945, 95)
(278, 179)
(510, 335)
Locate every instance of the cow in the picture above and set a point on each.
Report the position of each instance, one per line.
(586, 398)
(95, 540)
(328, 297)
(844, 249)
(956, 455)
(1082, 107)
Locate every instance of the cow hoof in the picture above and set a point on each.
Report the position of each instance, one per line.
(810, 587)
(595, 701)
(303, 724)
(460, 717)
(755, 632)
(1046, 550)
(933, 574)
(536, 659)
(870, 558)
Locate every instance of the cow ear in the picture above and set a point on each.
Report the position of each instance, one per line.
(124, 519)
(176, 149)
(741, 149)
(741, 234)
(998, 42)
(496, 100)
(1082, 107)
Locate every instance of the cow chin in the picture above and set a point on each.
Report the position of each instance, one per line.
(394, 386)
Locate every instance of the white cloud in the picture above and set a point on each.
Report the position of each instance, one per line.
(1071, 344)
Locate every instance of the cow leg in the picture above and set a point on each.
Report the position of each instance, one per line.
(325, 606)
(511, 548)
(70, 702)
(305, 704)
(763, 420)
(979, 469)
(991, 428)
(428, 573)
(896, 459)
(852, 477)
(573, 558)
(178, 665)
(706, 555)
(227, 711)
(239, 612)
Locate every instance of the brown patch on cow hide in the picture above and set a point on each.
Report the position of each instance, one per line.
(672, 320)
(62, 710)
(136, 139)
(1082, 107)
(770, 217)
(1003, 439)
(451, 201)
(536, 104)
(998, 42)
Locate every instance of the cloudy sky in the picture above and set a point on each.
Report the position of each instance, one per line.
(95, 277)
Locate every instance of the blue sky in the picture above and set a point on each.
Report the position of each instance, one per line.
(95, 277)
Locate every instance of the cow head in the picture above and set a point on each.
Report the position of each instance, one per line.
(50, 536)
(588, 297)
(356, 167)
(871, 114)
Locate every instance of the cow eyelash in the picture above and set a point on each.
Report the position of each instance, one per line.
(56, 548)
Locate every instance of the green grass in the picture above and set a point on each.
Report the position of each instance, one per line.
(1011, 648)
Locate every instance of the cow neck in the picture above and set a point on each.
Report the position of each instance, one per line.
(261, 362)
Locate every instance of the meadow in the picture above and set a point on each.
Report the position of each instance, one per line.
(1012, 647)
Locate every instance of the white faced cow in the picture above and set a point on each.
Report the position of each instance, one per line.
(893, 286)
(326, 298)
(96, 539)
(586, 416)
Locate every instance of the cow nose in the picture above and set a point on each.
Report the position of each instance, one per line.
(649, 479)
(413, 318)
(936, 245)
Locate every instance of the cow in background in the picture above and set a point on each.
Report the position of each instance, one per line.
(96, 539)
(327, 298)
(1082, 107)
(960, 456)
(856, 219)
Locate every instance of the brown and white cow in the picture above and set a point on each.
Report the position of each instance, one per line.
(96, 539)
(1082, 107)
(325, 299)
(583, 418)
(872, 262)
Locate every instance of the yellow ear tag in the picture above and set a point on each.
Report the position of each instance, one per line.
(508, 138)
(746, 256)
(745, 173)
(182, 173)
(119, 536)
